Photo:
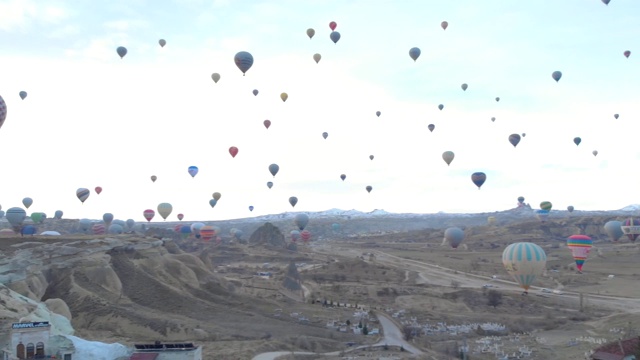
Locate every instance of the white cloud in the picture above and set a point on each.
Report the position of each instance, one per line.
(21, 14)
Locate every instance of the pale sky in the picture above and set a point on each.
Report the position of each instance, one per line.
(92, 119)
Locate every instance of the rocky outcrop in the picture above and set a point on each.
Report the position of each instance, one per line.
(268, 234)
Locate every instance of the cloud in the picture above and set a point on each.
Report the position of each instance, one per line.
(20, 15)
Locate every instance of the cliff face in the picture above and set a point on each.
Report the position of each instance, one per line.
(268, 234)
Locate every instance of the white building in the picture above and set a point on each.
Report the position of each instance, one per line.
(30, 340)
(160, 351)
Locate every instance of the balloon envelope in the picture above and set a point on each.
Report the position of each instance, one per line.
(310, 33)
(244, 61)
(301, 221)
(343, 176)
(180, 217)
(627, 53)
(317, 57)
(570, 208)
(82, 194)
(577, 140)
(23, 95)
(464, 87)
(15, 216)
(233, 151)
(162, 42)
(335, 36)
(284, 96)
(267, 123)
(213, 202)
(107, 218)
(325, 134)
(448, 156)
(216, 195)
(444, 25)
(164, 209)
(414, 53)
(3, 111)
(546, 205)
(148, 214)
(58, 214)
(215, 77)
(293, 201)
(122, 51)
(116, 229)
(27, 202)
(431, 127)
(369, 188)
(440, 106)
(333, 25)
(193, 171)
(613, 228)
(514, 139)
(478, 178)
(98, 190)
(454, 236)
(556, 75)
(154, 178)
(580, 246)
(269, 184)
(255, 92)
(524, 261)
(273, 169)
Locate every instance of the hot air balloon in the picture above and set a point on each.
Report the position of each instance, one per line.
(369, 188)
(269, 184)
(154, 178)
(305, 235)
(58, 214)
(122, 51)
(82, 194)
(116, 229)
(37, 217)
(295, 235)
(207, 232)
(334, 36)
(514, 139)
(148, 214)
(193, 171)
(85, 224)
(448, 156)
(255, 92)
(244, 61)
(325, 134)
(627, 53)
(414, 53)
(317, 57)
(493, 119)
(98, 229)
(370, 157)
(27, 202)
(284, 96)
(213, 202)
(130, 224)
(343, 176)
(164, 209)
(616, 116)
(497, 99)
(267, 123)
(98, 190)
(431, 127)
(613, 228)
(196, 227)
(595, 152)
(233, 151)
(556, 75)
(378, 113)
(444, 25)
(310, 33)
(273, 169)
(301, 221)
(478, 178)
(215, 77)
(293, 201)
(546, 205)
(606, 2)
(542, 215)
(107, 218)
(464, 87)
(524, 261)
(23, 95)
(180, 217)
(162, 42)
(332, 25)
(454, 236)
(15, 216)
(631, 228)
(216, 195)
(580, 246)
(440, 107)
(577, 140)
(570, 208)
(520, 199)
(250, 207)
(3, 111)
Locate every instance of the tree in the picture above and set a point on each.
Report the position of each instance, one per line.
(360, 324)
(494, 298)
(365, 330)
(348, 322)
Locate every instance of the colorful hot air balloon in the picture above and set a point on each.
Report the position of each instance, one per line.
(83, 194)
(613, 228)
(444, 25)
(284, 96)
(244, 61)
(98, 229)
(162, 42)
(273, 169)
(556, 75)
(23, 95)
(154, 178)
(305, 235)
(216, 195)
(310, 33)
(524, 261)
(325, 135)
(164, 209)
(577, 140)
(369, 188)
(301, 221)
(333, 25)
(448, 156)
(255, 92)
(27, 202)
(478, 178)
(580, 246)
(317, 57)
(295, 235)
(215, 77)
(546, 205)
(431, 127)
(514, 139)
(334, 36)
(631, 228)
(233, 151)
(627, 53)
(3, 111)
(207, 232)
(414, 53)
(269, 184)
(180, 217)
(122, 51)
(98, 189)
(148, 214)
(293, 201)
(193, 171)
(267, 123)
(343, 176)
(454, 236)
(464, 87)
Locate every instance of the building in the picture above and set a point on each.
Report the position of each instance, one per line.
(160, 351)
(32, 340)
(618, 350)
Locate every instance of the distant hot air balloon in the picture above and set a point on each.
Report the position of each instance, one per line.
(478, 178)
(23, 95)
(82, 194)
(267, 123)
(130, 224)
(3, 111)
(546, 205)
(464, 87)
(627, 53)
(343, 176)
(616, 116)
(441, 107)
(556, 75)
(310, 33)
(369, 188)
(233, 151)
(162, 42)
(317, 57)
(293, 201)
(301, 220)
(58, 214)
(27, 202)
(122, 51)
(180, 217)
(613, 228)
(107, 218)
(570, 208)
(216, 195)
(244, 61)
(273, 169)
(295, 235)
(378, 113)
(284, 96)
(431, 127)
(497, 99)
(251, 208)
(269, 184)
(580, 246)
(606, 2)
(448, 157)
(444, 25)
(98, 190)
(215, 77)
(154, 178)
(98, 229)
(577, 140)
(193, 171)
(15, 216)
(325, 134)
(595, 152)
(493, 119)
(213, 202)
(255, 92)
(631, 228)
(454, 236)
(305, 235)
(148, 214)
(116, 229)
(514, 139)
(414, 53)
(520, 199)
(207, 232)
(524, 261)
(370, 157)
(165, 209)
(332, 25)
(335, 36)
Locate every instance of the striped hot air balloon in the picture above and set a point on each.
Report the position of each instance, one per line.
(164, 209)
(580, 246)
(631, 228)
(207, 233)
(83, 194)
(524, 261)
(305, 235)
(244, 61)
(98, 229)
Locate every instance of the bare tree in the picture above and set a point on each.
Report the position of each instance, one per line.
(494, 298)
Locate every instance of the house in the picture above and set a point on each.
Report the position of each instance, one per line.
(31, 340)
(160, 351)
(618, 350)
